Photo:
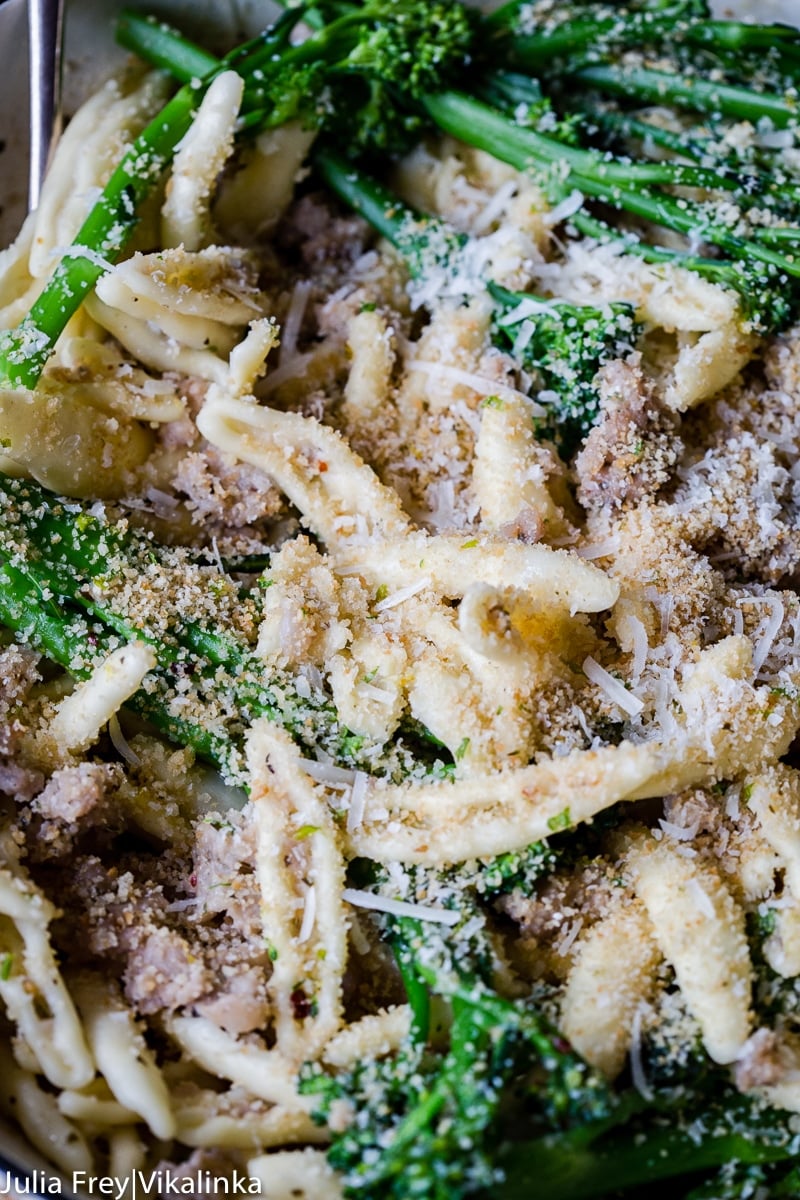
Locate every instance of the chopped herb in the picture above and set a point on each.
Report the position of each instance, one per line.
(462, 749)
(561, 821)
(306, 831)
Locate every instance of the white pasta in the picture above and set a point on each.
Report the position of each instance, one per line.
(600, 1001)
(774, 797)
(311, 463)
(371, 1037)
(126, 1152)
(555, 577)
(299, 863)
(42, 1123)
(80, 717)
(95, 1106)
(295, 1175)
(371, 346)
(122, 1056)
(56, 1040)
(167, 308)
(185, 216)
(37, 428)
(267, 1074)
(511, 468)
(704, 367)
(251, 200)
(233, 1121)
(506, 810)
(452, 705)
(700, 930)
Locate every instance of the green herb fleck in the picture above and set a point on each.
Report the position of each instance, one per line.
(305, 831)
(462, 749)
(561, 821)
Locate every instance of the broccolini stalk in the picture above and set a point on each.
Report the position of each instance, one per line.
(496, 1103)
(582, 1164)
(92, 562)
(427, 1120)
(163, 46)
(748, 174)
(583, 33)
(72, 586)
(753, 165)
(564, 344)
(427, 244)
(545, 143)
(66, 637)
(397, 48)
(697, 94)
(487, 129)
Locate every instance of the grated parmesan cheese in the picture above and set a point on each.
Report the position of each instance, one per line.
(478, 383)
(496, 207)
(565, 209)
(119, 742)
(325, 772)
(637, 1068)
(401, 908)
(358, 802)
(294, 320)
(700, 897)
(567, 939)
(292, 368)
(604, 549)
(615, 690)
(402, 594)
(309, 915)
(680, 833)
(771, 624)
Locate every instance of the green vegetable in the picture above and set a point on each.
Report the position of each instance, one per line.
(65, 589)
(427, 1120)
(530, 129)
(565, 344)
(383, 48)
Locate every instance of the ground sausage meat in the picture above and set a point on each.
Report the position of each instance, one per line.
(630, 452)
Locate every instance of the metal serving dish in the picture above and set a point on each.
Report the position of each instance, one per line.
(90, 57)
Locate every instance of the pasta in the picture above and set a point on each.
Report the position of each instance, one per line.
(350, 699)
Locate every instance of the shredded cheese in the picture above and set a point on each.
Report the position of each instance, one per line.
(400, 908)
(616, 691)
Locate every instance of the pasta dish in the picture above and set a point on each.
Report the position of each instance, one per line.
(399, 626)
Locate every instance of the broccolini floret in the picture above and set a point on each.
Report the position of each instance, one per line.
(426, 1121)
(561, 345)
(566, 345)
